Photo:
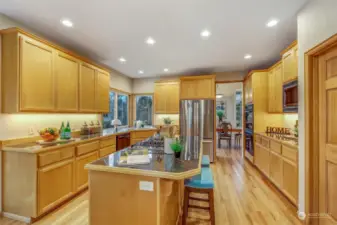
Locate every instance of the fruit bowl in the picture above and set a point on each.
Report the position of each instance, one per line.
(49, 134)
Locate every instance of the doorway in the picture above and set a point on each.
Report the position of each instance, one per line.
(321, 133)
(229, 117)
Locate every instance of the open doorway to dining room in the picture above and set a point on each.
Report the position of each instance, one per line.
(229, 117)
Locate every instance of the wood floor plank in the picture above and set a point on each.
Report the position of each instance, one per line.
(242, 197)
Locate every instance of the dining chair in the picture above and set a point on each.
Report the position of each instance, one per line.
(226, 134)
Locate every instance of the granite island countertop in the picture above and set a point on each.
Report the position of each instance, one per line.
(33, 147)
(161, 165)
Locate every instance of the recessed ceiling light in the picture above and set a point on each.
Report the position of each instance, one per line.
(150, 41)
(166, 70)
(122, 60)
(248, 56)
(140, 71)
(219, 96)
(67, 23)
(205, 34)
(272, 23)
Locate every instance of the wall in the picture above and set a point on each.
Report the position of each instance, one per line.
(316, 23)
(120, 81)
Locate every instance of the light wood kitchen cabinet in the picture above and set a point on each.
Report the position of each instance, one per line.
(37, 77)
(81, 172)
(55, 184)
(87, 88)
(278, 162)
(289, 63)
(102, 91)
(290, 180)
(276, 169)
(248, 90)
(66, 82)
(166, 97)
(197, 87)
(275, 89)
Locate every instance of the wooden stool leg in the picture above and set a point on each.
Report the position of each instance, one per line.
(186, 202)
(211, 206)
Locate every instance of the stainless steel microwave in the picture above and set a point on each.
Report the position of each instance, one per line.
(290, 96)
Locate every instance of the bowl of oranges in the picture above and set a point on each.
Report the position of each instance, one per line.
(49, 134)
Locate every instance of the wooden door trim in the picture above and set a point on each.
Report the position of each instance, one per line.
(311, 96)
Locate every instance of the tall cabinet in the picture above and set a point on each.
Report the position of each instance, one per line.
(38, 76)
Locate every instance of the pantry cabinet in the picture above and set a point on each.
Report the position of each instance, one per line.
(38, 76)
(67, 70)
(197, 87)
(290, 62)
(275, 89)
(166, 97)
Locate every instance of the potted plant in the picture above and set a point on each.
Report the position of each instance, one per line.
(176, 148)
(220, 114)
(167, 121)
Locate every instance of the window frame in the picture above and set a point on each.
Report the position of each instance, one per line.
(134, 114)
(118, 92)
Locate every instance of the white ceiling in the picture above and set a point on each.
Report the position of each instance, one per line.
(105, 30)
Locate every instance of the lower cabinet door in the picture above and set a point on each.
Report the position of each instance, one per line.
(55, 184)
(276, 168)
(134, 141)
(81, 172)
(290, 180)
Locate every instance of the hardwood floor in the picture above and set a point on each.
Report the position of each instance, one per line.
(242, 197)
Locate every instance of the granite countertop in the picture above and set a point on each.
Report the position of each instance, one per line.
(284, 139)
(33, 147)
(161, 165)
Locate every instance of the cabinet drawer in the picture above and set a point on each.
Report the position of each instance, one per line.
(275, 146)
(265, 142)
(55, 156)
(108, 142)
(258, 139)
(89, 147)
(289, 153)
(141, 134)
(107, 150)
(134, 141)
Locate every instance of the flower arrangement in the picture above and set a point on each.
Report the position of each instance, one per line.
(167, 121)
(220, 114)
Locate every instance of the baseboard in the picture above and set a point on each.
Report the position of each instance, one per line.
(16, 217)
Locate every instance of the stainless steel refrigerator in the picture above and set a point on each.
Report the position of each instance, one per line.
(196, 124)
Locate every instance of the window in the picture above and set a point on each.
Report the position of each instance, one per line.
(144, 104)
(107, 118)
(122, 108)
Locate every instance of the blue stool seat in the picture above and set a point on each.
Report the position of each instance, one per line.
(202, 180)
(205, 161)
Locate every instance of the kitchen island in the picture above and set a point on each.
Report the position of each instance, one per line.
(150, 194)
(39, 178)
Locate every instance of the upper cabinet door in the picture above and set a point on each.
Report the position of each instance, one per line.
(172, 95)
(289, 62)
(102, 91)
(160, 98)
(36, 76)
(197, 87)
(271, 91)
(278, 89)
(87, 88)
(66, 82)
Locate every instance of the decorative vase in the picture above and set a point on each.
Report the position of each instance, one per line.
(177, 155)
(167, 145)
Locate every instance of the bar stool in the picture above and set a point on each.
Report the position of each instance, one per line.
(205, 162)
(203, 184)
